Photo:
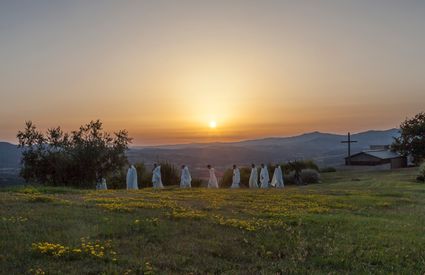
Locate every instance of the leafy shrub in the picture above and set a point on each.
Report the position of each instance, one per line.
(310, 164)
(308, 176)
(169, 174)
(327, 170)
(144, 177)
(197, 182)
(226, 179)
(117, 180)
(299, 165)
(290, 178)
(421, 174)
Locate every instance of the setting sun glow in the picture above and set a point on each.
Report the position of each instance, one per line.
(177, 72)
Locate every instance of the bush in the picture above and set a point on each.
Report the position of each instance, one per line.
(308, 176)
(299, 165)
(226, 179)
(327, 170)
(117, 180)
(197, 182)
(310, 164)
(421, 174)
(169, 174)
(144, 177)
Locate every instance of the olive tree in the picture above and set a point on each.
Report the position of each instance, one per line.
(79, 158)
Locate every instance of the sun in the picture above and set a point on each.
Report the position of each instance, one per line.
(213, 124)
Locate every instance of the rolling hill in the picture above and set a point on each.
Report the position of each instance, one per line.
(326, 149)
(10, 155)
(10, 161)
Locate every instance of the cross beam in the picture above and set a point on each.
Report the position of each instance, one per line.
(349, 141)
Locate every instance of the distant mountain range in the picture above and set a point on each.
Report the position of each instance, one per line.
(10, 155)
(324, 148)
(10, 161)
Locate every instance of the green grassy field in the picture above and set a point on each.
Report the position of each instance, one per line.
(370, 222)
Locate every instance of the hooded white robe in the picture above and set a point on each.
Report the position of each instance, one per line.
(156, 178)
(264, 177)
(103, 185)
(253, 178)
(236, 179)
(186, 179)
(129, 180)
(277, 180)
(212, 181)
(132, 178)
(135, 185)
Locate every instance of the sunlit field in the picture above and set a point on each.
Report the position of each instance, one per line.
(350, 223)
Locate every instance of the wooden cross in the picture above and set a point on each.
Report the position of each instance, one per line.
(349, 141)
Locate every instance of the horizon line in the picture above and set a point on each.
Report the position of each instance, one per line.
(241, 140)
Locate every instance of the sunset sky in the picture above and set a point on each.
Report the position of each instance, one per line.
(164, 70)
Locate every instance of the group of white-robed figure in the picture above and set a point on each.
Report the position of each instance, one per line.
(186, 178)
(185, 182)
(132, 178)
(277, 180)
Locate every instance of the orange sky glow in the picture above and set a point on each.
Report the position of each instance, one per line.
(164, 71)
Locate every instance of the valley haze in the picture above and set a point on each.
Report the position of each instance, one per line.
(325, 149)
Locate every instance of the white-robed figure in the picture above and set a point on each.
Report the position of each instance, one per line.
(102, 185)
(212, 181)
(236, 179)
(132, 178)
(277, 180)
(185, 179)
(253, 178)
(156, 177)
(264, 176)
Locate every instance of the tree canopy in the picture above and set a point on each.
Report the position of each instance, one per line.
(412, 138)
(79, 158)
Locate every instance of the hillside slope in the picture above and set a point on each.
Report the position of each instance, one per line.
(351, 223)
(10, 155)
(324, 148)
